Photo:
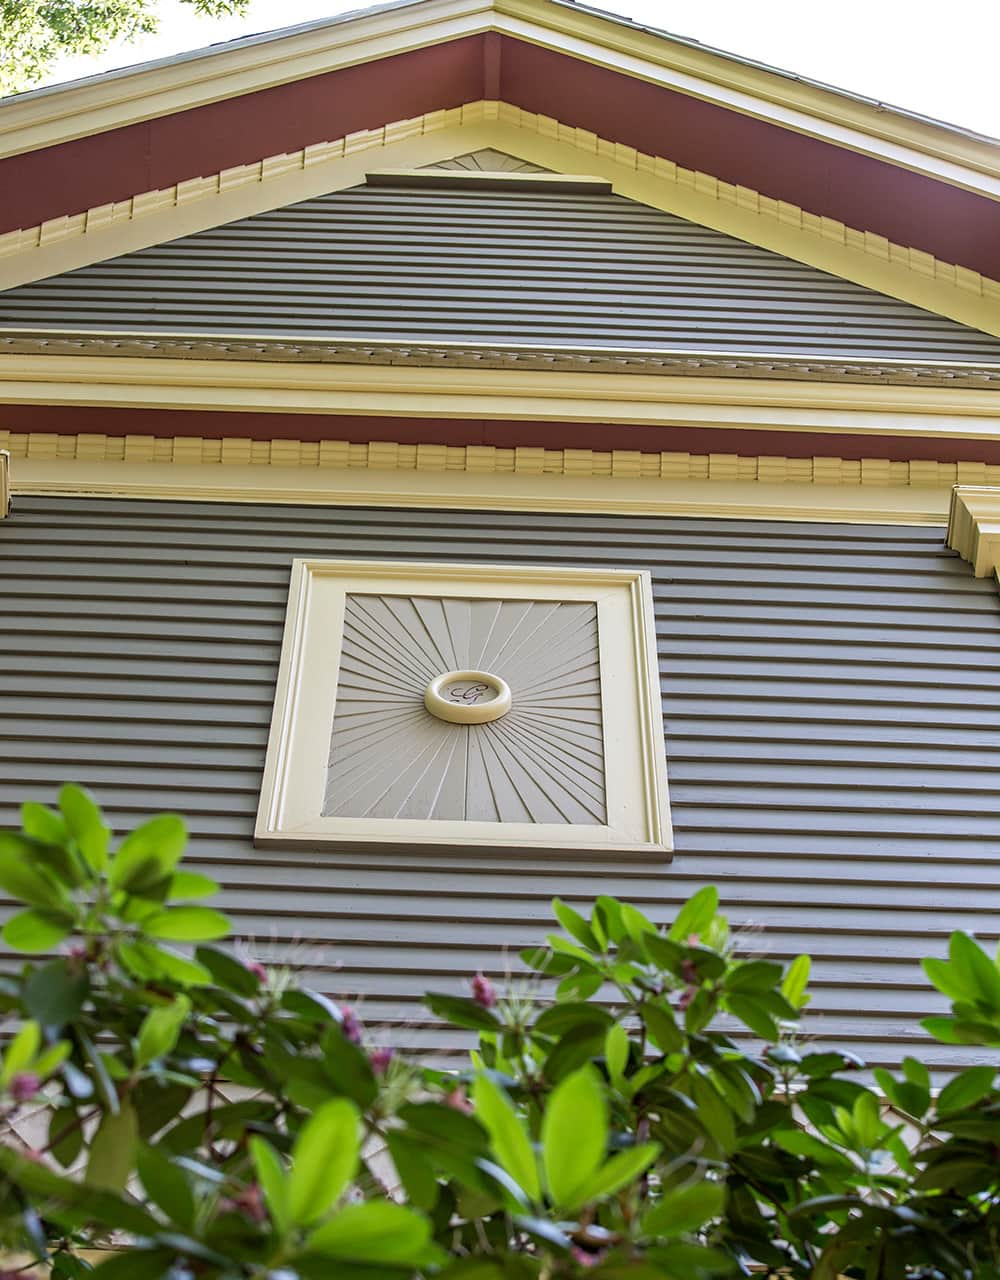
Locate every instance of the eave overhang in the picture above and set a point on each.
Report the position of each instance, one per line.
(910, 180)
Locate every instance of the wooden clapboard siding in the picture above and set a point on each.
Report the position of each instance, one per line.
(520, 266)
(831, 698)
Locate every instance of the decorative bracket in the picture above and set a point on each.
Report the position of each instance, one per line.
(974, 526)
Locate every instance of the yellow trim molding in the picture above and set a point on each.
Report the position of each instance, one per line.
(50, 116)
(478, 478)
(974, 527)
(481, 460)
(4, 483)
(261, 386)
(153, 217)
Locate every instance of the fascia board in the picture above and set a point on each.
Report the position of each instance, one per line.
(640, 400)
(943, 153)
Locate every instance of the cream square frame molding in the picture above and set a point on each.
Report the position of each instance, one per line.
(361, 751)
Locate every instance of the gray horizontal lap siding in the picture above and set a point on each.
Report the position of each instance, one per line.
(830, 695)
(546, 268)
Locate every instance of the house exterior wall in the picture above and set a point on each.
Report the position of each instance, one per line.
(830, 697)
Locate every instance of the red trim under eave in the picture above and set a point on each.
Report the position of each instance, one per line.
(164, 423)
(953, 225)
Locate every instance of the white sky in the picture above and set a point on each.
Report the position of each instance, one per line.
(942, 60)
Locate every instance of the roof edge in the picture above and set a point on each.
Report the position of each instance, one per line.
(62, 113)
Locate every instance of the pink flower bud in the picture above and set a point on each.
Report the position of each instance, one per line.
(256, 968)
(380, 1059)
(483, 991)
(24, 1086)
(458, 1101)
(585, 1258)
(349, 1024)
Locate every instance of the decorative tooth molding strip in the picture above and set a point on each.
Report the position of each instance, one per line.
(509, 122)
(495, 356)
(386, 455)
(267, 171)
(974, 527)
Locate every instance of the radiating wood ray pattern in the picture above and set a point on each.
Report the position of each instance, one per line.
(542, 762)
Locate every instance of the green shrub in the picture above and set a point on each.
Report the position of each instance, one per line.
(202, 1116)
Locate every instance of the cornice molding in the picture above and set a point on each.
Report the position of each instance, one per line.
(507, 394)
(946, 153)
(974, 526)
(548, 359)
(487, 490)
(153, 217)
(481, 460)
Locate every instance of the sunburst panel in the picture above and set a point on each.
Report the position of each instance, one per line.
(540, 762)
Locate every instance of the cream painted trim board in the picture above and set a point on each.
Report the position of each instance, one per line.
(726, 497)
(157, 216)
(298, 754)
(480, 460)
(446, 353)
(974, 527)
(945, 153)
(4, 483)
(829, 409)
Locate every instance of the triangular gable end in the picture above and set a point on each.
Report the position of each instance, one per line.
(486, 248)
(493, 127)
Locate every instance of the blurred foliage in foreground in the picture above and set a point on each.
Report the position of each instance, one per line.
(200, 1115)
(34, 34)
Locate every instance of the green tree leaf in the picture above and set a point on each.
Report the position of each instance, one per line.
(377, 1231)
(620, 1171)
(616, 1047)
(461, 1011)
(86, 825)
(696, 915)
(113, 1149)
(160, 1030)
(575, 925)
(976, 970)
(511, 1144)
(191, 884)
(167, 1186)
(187, 924)
(754, 975)
(793, 987)
(271, 1176)
(574, 1135)
(324, 1160)
(55, 993)
(42, 823)
(37, 930)
(966, 1089)
(21, 1051)
(227, 971)
(149, 854)
(685, 1209)
(22, 881)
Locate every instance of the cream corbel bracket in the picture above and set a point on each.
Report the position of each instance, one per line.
(974, 526)
(4, 483)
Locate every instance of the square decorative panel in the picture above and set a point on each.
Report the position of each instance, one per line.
(453, 704)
